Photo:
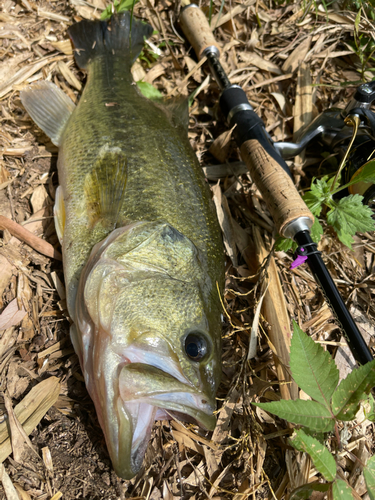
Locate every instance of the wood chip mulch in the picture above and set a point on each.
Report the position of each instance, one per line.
(293, 60)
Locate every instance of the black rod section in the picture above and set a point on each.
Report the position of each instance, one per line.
(238, 111)
(353, 336)
(216, 69)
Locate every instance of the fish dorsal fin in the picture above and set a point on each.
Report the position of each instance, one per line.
(177, 109)
(105, 186)
(49, 107)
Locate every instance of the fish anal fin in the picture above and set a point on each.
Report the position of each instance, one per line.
(59, 214)
(49, 107)
(105, 187)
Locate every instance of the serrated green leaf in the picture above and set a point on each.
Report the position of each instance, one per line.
(313, 202)
(320, 193)
(149, 90)
(341, 490)
(316, 230)
(369, 474)
(349, 216)
(317, 435)
(304, 492)
(308, 413)
(313, 368)
(321, 457)
(346, 398)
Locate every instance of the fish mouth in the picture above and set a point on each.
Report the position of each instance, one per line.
(147, 393)
(146, 408)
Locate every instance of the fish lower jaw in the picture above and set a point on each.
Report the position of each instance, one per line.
(143, 414)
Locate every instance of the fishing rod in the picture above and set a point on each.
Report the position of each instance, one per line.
(271, 174)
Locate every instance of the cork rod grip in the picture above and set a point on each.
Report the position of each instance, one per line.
(277, 188)
(197, 30)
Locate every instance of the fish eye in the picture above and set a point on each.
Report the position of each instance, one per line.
(195, 346)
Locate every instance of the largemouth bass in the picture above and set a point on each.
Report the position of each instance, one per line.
(142, 249)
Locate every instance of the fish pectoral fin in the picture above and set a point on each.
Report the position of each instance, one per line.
(49, 107)
(105, 186)
(59, 214)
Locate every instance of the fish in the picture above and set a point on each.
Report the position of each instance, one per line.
(142, 249)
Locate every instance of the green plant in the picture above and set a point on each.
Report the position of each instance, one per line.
(117, 6)
(356, 5)
(316, 373)
(149, 90)
(347, 215)
(363, 44)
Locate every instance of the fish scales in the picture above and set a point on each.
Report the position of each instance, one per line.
(142, 250)
(163, 174)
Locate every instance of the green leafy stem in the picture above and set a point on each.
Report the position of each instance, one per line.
(316, 373)
(347, 215)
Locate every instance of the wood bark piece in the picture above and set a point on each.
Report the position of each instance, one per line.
(30, 411)
(276, 314)
(23, 234)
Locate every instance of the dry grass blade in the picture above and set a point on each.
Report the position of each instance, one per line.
(30, 411)
(24, 73)
(276, 314)
(21, 443)
(10, 491)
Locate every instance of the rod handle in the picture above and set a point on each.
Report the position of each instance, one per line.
(277, 188)
(195, 26)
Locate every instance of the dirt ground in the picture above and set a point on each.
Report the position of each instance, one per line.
(294, 61)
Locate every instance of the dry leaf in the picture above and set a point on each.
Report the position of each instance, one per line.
(259, 62)
(12, 315)
(225, 221)
(297, 56)
(6, 272)
(39, 198)
(220, 147)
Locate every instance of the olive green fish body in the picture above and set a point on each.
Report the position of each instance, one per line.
(142, 250)
(164, 181)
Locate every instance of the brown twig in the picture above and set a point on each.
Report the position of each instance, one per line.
(26, 236)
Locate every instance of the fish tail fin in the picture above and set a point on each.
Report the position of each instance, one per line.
(120, 35)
